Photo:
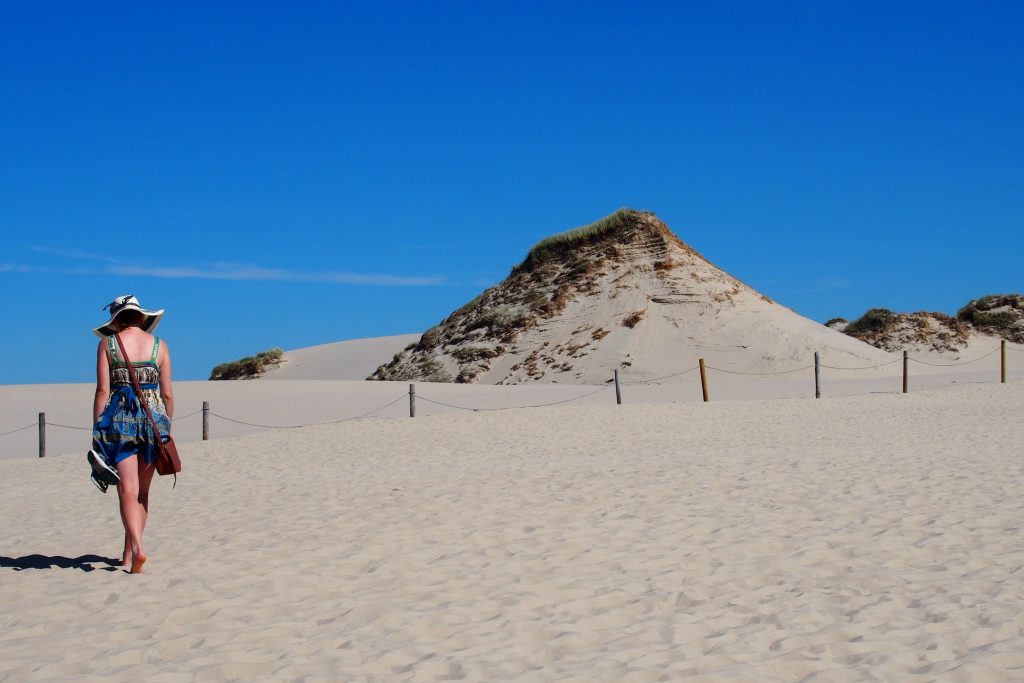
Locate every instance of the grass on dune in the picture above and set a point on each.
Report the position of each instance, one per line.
(248, 367)
(562, 243)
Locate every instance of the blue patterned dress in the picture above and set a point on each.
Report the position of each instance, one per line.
(123, 429)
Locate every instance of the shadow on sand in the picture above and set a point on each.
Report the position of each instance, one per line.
(83, 562)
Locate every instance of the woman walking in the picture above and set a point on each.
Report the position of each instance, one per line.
(122, 432)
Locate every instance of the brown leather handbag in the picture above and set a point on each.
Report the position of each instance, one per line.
(167, 460)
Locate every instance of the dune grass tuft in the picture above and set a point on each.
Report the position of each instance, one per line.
(248, 367)
(875, 321)
(563, 242)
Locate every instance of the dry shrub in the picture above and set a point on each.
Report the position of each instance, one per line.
(573, 348)
(633, 318)
(560, 299)
(535, 300)
(469, 354)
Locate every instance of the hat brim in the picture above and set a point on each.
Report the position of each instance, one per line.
(152, 320)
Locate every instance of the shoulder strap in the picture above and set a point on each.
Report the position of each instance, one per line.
(112, 348)
(156, 349)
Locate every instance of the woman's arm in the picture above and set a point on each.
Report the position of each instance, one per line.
(166, 391)
(99, 402)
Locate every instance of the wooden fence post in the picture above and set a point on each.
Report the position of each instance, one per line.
(618, 393)
(906, 364)
(206, 420)
(42, 435)
(412, 400)
(817, 375)
(1002, 365)
(703, 380)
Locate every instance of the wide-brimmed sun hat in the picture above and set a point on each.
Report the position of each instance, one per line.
(128, 302)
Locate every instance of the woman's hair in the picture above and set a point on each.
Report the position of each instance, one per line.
(131, 318)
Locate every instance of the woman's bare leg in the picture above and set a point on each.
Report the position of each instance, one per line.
(146, 473)
(145, 478)
(126, 554)
(131, 510)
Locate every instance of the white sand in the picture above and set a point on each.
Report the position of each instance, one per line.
(866, 538)
(352, 359)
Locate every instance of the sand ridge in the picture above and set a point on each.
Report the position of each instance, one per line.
(862, 538)
(351, 359)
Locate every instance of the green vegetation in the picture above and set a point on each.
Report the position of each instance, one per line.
(999, 314)
(875, 321)
(557, 245)
(430, 369)
(248, 367)
(499, 320)
(430, 339)
(535, 299)
(833, 321)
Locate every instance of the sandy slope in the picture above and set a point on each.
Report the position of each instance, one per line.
(352, 359)
(869, 538)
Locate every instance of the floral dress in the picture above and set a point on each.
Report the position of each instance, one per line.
(123, 429)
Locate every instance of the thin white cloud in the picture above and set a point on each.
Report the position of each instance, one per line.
(19, 268)
(229, 271)
(70, 253)
(215, 271)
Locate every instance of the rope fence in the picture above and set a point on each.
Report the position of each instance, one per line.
(535, 405)
(952, 365)
(19, 429)
(868, 367)
(311, 424)
(656, 379)
(758, 374)
(207, 413)
(81, 429)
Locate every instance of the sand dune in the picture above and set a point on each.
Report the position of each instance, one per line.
(352, 359)
(626, 294)
(873, 537)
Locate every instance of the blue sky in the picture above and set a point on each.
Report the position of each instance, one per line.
(288, 174)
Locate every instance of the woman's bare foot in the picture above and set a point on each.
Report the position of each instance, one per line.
(138, 560)
(126, 561)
